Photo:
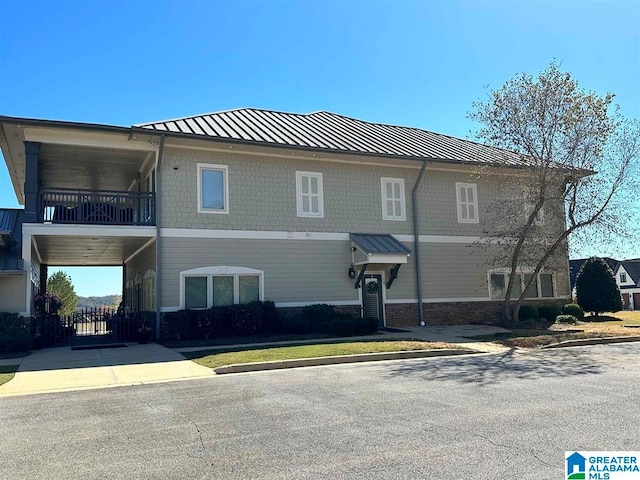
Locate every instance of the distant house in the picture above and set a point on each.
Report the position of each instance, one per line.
(626, 273)
(249, 204)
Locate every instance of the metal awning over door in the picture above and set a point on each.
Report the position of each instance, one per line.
(383, 249)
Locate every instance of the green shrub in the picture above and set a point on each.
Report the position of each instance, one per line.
(342, 325)
(573, 309)
(15, 335)
(295, 325)
(318, 316)
(568, 319)
(373, 324)
(550, 312)
(527, 312)
(596, 287)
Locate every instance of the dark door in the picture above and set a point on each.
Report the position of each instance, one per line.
(372, 298)
(636, 301)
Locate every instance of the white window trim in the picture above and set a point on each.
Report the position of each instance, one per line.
(474, 187)
(522, 271)
(621, 275)
(217, 167)
(383, 191)
(221, 271)
(539, 220)
(151, 187)
(299, 203)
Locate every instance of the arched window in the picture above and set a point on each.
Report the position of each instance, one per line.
(207, 287)
(149, 291)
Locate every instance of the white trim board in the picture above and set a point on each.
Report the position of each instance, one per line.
(147, 244)
(87, 230)
(332, 236)
(74, 137)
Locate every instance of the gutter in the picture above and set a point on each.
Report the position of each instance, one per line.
(157, 213)
(416, 231)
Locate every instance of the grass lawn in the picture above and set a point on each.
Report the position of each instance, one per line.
(612, 325)
(7, 372)
(214, 359)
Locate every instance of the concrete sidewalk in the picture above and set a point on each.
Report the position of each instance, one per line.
(62, 369)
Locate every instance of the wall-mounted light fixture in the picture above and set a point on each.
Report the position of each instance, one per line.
(352, 272)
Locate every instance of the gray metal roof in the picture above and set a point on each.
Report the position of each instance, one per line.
(8, 220)
(333, 132)
(378, 243)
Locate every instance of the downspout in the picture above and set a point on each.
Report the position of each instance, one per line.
(158, 241)
(416, 231)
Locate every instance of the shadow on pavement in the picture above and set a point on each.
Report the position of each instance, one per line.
(494, 369)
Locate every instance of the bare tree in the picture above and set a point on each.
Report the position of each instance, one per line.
(580, 160)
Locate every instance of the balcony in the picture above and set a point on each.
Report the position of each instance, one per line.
(102, 207)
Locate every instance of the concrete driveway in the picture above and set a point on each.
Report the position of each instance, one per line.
(64, 369)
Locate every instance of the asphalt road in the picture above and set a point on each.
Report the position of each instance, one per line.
(483, 417)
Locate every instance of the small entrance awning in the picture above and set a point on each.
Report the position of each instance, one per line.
(383, 249)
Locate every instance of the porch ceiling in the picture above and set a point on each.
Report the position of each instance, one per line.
(90, 251)
(79, 167)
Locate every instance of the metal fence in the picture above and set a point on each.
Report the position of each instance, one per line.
(83, 327)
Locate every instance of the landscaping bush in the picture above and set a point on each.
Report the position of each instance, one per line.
(596, 288)
(573, 309)
(295, 325)
(567, 319)
(550, 312)
(372, 326)
(319, 316)
(527, 312)
(243, 320)
(342, 325)
(15, 335)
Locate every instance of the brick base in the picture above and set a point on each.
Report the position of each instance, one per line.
(453, 313)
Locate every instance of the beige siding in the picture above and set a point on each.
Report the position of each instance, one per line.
(13, 293)
(262, 196)
(142, 262)
(316, 270)
(294, 270)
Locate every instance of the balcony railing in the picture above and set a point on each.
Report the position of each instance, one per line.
(102, 207)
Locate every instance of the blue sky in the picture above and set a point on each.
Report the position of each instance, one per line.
(415, 63)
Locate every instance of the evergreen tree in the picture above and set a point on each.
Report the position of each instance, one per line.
(596, 288)
(60, 285)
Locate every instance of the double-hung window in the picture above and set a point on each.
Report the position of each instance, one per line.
(467, 202)
(213, 188)
(309, 197)
(393, 204)
(218, 286)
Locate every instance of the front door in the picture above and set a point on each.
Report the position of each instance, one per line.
(372, 305)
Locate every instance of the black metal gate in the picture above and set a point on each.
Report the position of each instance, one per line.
(85, 327)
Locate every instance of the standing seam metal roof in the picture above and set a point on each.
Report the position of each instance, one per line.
(333, 132)
(378, 243)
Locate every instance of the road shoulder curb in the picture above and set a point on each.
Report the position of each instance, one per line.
(340, 359)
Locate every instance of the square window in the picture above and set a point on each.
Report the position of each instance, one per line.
(222, 291)
(309, 195)
(546, 285)
(393, 202)
(195, 292)
(623, 277)
(532, 290)
(516, 291)
(248, 289)
(467, 202)
(497, 286)
(213, 188)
